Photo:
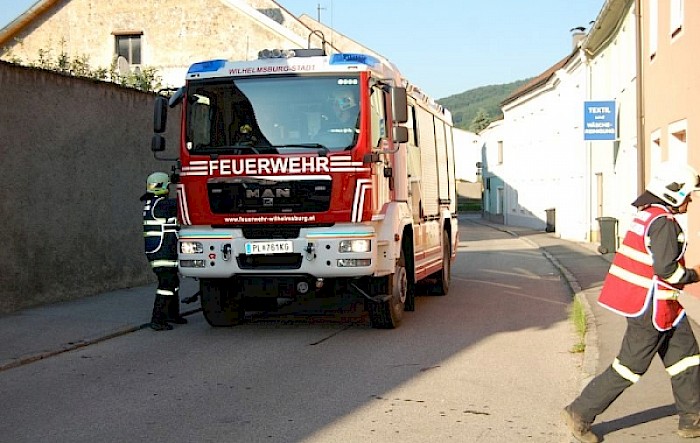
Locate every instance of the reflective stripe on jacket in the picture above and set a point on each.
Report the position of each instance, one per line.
(631, 284)
(160, 231)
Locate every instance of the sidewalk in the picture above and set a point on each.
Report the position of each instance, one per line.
(32, 334)
(645, 411)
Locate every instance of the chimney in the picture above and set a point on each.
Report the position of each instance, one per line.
(577, 36)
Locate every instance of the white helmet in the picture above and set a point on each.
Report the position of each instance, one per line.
(157, 183)
(673, 182)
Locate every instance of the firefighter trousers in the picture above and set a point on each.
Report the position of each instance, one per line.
(678, 350)
(167, 292)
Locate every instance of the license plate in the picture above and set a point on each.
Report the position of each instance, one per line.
(268, 247)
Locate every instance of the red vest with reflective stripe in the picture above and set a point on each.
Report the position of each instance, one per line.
(631, 285)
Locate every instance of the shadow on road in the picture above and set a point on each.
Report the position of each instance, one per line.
(635, 419)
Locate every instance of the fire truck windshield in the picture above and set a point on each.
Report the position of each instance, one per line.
(281, 114)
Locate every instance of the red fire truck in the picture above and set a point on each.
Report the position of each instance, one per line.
(302, 171)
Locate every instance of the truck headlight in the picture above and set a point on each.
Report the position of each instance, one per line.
(356, 245)
(191, 247)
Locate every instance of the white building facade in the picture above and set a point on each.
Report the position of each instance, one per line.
(467, 155)
(544, 174)
(610, 50)
(492, 169)
(542, 164)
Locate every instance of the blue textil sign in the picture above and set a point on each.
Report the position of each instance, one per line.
(599, 120)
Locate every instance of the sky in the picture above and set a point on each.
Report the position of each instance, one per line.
(445, 47)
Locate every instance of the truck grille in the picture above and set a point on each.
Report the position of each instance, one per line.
(266, 196)
(270, 232)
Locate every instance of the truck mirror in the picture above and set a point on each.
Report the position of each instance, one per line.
(400, 134)
(177, 97)
(157, 143)
(160, 114)
(399, 104)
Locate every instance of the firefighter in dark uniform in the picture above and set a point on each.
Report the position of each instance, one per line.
(643, 284)
(160, 238)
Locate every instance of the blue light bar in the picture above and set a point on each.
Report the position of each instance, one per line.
(208, 66)
(353, 59)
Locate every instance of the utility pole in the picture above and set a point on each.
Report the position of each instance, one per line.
(318, 12)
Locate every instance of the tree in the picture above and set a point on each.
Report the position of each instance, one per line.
(480, 121)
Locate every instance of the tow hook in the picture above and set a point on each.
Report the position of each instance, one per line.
(310, 250)
(226, 251)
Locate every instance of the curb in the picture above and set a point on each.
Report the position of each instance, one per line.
(80, 344)
(71, 347)
(591, 353)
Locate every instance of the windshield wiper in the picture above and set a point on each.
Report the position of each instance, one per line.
(322, 150)
(233, 149)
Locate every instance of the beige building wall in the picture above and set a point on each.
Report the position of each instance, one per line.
(672, 93)
(174, 33)
(671, 82)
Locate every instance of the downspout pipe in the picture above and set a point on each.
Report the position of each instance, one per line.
(641, 135)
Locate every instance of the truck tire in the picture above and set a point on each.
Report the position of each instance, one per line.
(443, 276)
(409, 262)
(221, 303)
(388, 314)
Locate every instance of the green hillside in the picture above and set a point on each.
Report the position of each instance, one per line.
(465, 106)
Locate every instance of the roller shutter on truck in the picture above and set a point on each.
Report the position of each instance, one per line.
(429, 170)
(450, 167)
(442, 161)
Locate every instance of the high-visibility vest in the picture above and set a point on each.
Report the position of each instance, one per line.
(160, 232)
(631, 285)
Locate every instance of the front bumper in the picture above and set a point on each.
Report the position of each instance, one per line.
(314, 252)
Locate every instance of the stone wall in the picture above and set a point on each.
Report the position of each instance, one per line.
(75, 156)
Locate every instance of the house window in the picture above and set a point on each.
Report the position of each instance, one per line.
(653, 27)
(129, 47)
(677, 145)
(656, 154)
(676, 17)
(500, 152)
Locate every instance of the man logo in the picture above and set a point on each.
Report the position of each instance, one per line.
(268, 193)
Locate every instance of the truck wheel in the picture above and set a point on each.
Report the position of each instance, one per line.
(443, 277)
(221, 302)
(388, 314)
(409, 264)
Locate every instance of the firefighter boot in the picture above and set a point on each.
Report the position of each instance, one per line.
(173, 311)
(158, 319)
(689, 425)
(580, 429)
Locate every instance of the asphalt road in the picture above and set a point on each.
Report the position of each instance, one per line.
(489, 362)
